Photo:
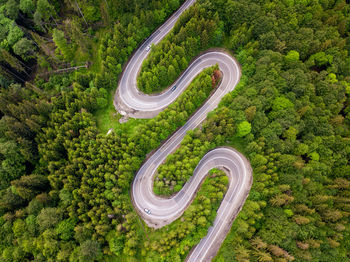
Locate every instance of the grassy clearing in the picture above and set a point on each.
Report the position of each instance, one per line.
(237, 143)
(108, 117)
(96, 66)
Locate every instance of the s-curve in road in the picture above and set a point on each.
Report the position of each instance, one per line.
(156, 211)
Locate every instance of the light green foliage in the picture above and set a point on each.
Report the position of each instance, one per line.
(321, 59)
(315, 156)
(171, 72)
(12, 9)
(14, 35)
(65, 229)
(91, 13)
(48, 217)
(281, 103)
(291, 133)
(288, 212)
(243, 129)
(240, 37)
(332, 78)
(294, 92)
(19, 228)
(12, 163)
(292, 56)
(115, 242)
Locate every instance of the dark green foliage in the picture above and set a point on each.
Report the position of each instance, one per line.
(195, 31)
(24, 48)
(28, 187)
(10, 201)
(12, 163)
(27, 6)
(65, 188)
(24, 114)
(117, 46)
(61, 43)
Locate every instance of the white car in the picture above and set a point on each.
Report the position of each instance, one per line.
(148, 48)
(147, 211)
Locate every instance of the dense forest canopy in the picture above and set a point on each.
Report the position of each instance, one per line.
(65, 184)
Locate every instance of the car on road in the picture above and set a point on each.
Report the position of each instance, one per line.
(147, 211)
(148, 48)
(173, 88)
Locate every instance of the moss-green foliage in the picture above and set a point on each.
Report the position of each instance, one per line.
(27, 28)
(61, 43)
(71, 155)
(180, 165)
(195, 31)
(289, 214)
(14, 25)
(294, 93)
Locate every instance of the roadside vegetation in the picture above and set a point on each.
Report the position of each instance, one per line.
(173, 242)
(64, 187)
(197, 30)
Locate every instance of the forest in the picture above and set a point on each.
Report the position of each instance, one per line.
(65, 184)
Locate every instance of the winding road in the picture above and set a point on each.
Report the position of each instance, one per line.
(131, 102)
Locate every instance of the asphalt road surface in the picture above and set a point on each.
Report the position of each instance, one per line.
(131, 102)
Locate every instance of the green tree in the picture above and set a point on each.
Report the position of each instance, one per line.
(5, 56)
(12, 9)
(91, 13)
(292, 56)
(15, 34)
(45, 9)
(65, 229)
(243, 129)
(281, 103)
(171, 72)
(19, 228)
(12, 164)
(24, 48)
(28, 187)
(61, 43)
(27, 6)
(10, 201)
(89, 251)
(48, 217)
(321, 59)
